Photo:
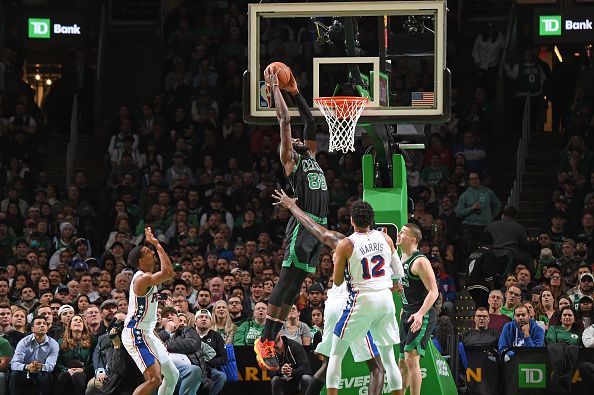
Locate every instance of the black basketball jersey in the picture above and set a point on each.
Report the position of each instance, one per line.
(309, 185)
(414, 289)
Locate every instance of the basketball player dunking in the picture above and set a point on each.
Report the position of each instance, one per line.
(302, 248)
(145, 348)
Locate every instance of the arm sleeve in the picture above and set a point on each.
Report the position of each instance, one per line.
(18, 359)
(550, 337)
(309, 124)
(50, 361)
(96, 357)
(397, 269)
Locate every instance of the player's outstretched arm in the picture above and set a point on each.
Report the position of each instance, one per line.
(287, 155)
(327, 237)
(309, 123)
(166, 271)
(343, 251)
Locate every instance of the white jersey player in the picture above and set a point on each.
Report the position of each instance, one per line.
(363, 261)
(362, 348)
(145, 348)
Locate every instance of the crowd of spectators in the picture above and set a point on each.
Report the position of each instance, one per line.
(186, 165)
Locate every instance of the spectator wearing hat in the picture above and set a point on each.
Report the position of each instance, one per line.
(177, 170)
(82, 249)
(213, 351)
(545, 259)
(34, 360)
(294, 375)
(67, 236)
(108, 309)
(315, 300)
(251, 330)
(183, 340)
(585, 285)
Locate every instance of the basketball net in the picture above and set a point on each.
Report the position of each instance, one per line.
(342, 114)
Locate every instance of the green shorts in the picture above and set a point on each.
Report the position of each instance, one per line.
(302, 248)
(410, 340)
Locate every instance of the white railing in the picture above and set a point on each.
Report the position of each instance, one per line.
(521, 153)
(71, 148)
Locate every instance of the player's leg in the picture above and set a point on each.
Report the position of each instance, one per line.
(170, 376)
(376, 375)
(414, 349)
(287, 288)
(392, 371)
(152, 380)
(412, 361)
(319, 379)
(334, 373)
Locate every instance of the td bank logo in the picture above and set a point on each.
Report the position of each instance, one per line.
(550, 25)
(39, 28)
(532, 376)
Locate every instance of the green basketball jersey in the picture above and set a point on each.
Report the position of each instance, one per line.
(414, 289)
(309, 185)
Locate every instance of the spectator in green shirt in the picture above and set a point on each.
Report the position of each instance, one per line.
(567, 332)
(435, 173)
(251, 330)
(512, 299)
(5, 357)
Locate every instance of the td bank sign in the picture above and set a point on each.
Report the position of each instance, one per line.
(552, 25)
(42, 28)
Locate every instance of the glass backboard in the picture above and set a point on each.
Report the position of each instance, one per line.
(392, 52)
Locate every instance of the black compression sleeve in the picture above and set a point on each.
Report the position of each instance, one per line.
(309, 124)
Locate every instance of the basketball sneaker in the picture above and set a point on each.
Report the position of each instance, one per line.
(266, 355)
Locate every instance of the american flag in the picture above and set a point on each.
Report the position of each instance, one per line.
(422, 98)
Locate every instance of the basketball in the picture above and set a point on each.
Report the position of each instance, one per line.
(282, 71)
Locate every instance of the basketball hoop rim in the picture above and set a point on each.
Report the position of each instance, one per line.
(345, 99)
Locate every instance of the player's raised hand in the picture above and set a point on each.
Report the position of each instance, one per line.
(270, 77)
(283, 199)
(150, 237)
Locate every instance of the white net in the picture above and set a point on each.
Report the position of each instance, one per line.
(342, 114)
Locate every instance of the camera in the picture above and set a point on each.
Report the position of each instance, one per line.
(119, 327)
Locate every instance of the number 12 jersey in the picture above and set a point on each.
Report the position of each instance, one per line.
(368, 268)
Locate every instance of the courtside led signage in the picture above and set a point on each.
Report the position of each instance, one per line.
(43, 28)
(563, 25)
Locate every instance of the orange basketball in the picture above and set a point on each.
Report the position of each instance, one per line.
(282, 71)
